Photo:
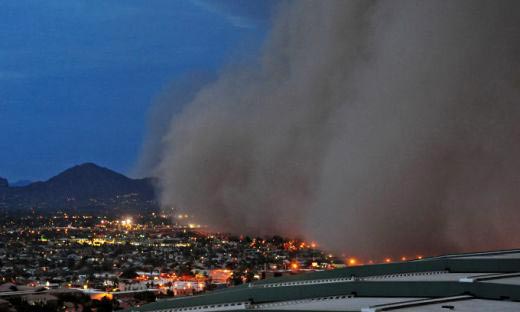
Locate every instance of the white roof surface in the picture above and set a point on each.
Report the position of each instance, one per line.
(507, 280)
(423, 276)
(472, 305)
(325, 304)
(511, 255)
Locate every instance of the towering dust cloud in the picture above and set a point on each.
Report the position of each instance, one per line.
(373, 127)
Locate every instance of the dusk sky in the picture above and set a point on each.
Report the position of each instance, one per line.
(77, 77)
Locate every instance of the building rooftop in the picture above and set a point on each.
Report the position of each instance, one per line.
(487, 281)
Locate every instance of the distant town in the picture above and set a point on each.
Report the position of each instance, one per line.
(68, 262)
(91, 239)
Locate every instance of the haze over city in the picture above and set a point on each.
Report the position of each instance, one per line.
(218, 143)
(402, 116)
(368, 126)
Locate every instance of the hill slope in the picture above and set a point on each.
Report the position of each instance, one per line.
(86, 187)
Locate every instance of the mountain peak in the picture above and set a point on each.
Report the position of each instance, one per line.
(86, 186)
(90, 171)
(87, 166)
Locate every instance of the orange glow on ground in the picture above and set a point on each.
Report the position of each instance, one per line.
(352, 261)
(101, 296)
(219, 275)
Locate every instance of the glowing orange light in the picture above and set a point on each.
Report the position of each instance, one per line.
(388, 260)
(403, 258)
(295, 266)
(352, 261)
(419, 257)
(100, 296)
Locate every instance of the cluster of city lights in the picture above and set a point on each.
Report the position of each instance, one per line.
(297, 245)
(127, 222)
(354, 261)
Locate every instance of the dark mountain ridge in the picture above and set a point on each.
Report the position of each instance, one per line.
(3, 182)
(85, 187)
(20, 183)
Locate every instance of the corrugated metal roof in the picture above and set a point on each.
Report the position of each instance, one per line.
(486, 276)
